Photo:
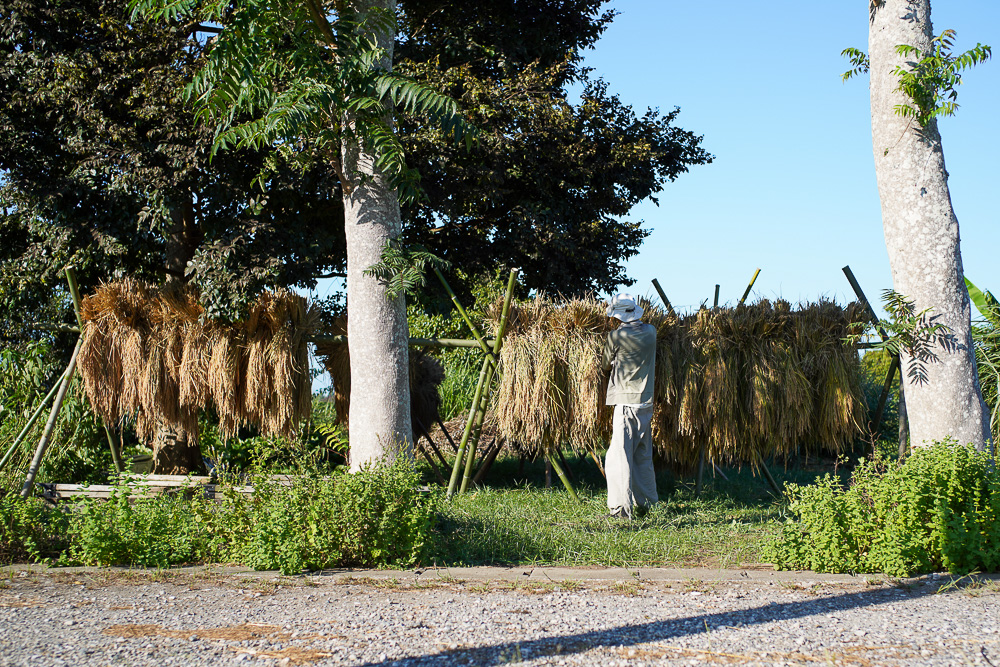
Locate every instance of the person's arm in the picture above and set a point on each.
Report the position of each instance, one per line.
(609, 353)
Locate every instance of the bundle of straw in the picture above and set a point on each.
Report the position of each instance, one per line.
(552, 390)
(148, 355)
(738, 383)
(426, 375)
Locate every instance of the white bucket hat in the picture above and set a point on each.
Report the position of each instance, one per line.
(624, 308)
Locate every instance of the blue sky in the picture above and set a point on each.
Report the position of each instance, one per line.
(792, 190)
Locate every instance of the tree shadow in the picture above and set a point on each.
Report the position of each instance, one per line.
(640, 633)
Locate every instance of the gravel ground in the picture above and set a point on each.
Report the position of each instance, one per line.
(492, 616)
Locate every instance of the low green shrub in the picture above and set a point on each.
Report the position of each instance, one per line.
(938, 510)
(156, 531)
(29, 530)
(377, 517)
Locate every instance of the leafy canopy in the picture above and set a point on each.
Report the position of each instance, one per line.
(291, 73)
(929, 79)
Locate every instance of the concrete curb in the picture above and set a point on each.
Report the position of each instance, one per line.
(759, 574)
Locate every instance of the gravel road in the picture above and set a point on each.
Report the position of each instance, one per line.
(492, 616)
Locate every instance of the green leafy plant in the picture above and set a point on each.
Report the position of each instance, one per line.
(403, 269)
(156, 531)
(377, 517)
(929, 79)
(986, 339)
(941, 509)
(916, 333)
(29, 530)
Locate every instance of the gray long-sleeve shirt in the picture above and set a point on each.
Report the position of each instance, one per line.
(630, 353)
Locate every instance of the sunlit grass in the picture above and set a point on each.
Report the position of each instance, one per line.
(524, 524)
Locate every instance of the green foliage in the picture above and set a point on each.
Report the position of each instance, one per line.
(874, 369)
(916, 334)
(377, 517)
(155, 531)
(928, 79)
(78, 450)
(940, 509)
(287, 74)
(29, 530)
(986, 338)
(403, 269)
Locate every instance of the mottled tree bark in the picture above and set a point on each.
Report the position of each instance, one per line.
(922, 236)
(377, 334)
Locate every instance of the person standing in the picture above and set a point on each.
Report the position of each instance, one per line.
(630, 355)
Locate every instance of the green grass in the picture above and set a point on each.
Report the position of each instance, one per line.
(514, 521)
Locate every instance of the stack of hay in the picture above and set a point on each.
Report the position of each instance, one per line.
(426, 375)
(759, 379)
(148, 355)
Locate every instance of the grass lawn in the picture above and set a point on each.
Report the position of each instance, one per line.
(516, 521)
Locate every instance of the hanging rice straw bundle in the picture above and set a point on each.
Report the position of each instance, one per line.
(148, 356)
(739, 383)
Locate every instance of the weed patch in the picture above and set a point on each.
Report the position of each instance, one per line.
(938, 510)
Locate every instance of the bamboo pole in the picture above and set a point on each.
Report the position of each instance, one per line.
(43, 444)
(700, 475)
(663, 296)
(749, 287)
(75, 292)
(31, 422)
(597, 460)
(487, 464)
(767, 474)
(562, 476)
(414, 342)
(447, 435)
(481, 415)
(477, 431)
(876, 422)
(864, 302)
(465, 316)
(460, 455)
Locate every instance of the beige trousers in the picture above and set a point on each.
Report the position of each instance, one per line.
(629, 463)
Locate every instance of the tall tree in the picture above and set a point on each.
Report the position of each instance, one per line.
(921, 229)
(104, 167)
(297, 73)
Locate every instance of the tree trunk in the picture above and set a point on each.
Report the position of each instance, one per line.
(175, 450)
(377, 334)
(921, 235)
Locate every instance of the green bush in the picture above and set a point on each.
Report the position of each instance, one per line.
(377, 517)
(155, 531)
(938, 510)
(29, 530)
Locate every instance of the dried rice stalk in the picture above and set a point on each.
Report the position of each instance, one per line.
(755, 379)
(149, 357)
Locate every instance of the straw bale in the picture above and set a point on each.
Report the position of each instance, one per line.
(150, 357)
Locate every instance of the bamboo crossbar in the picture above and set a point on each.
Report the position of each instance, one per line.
(414, 342)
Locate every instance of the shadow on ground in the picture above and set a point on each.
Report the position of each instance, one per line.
(658, 631)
